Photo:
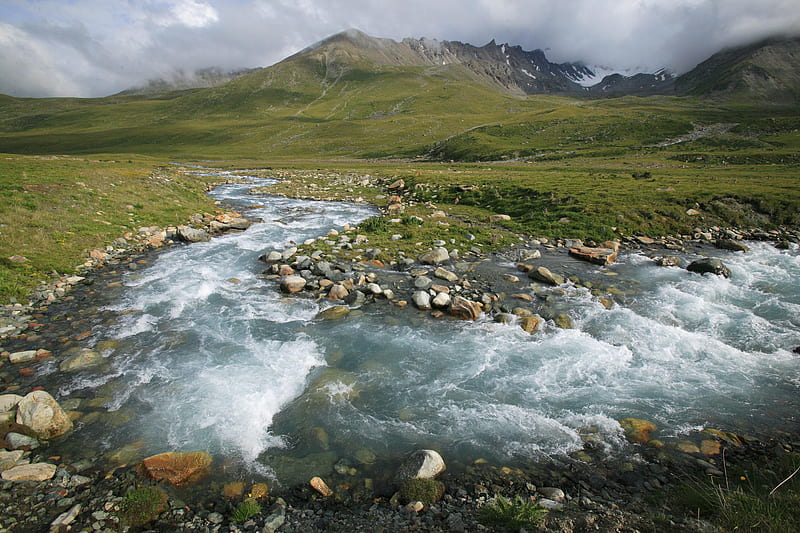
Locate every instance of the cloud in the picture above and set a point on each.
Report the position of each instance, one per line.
(97, 47)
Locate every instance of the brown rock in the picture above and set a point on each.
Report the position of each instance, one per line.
(319, 485)
(285, 270)
(598, 256)
(637, 430)
(40, 412)
(499, 218)
(529, 323)
(178, 468)
(337, 292)
(259, 491)
(233, 490)
(34, 472)
(464, 309)
(293, 284)
(710, 447)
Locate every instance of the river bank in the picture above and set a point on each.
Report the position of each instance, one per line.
(593, 483)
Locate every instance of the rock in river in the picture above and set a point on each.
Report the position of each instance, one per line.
(544, 275)
(709, 265)
(293, 284)
(188, 234)
(598, 256)
(178, 468)
(464, 309)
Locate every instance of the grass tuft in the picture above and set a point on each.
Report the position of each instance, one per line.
(142, 505)
(246, 510)
(512, 515)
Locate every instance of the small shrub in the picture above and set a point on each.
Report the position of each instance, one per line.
(142, 505)
(246, 510)
(422, 490)
(375, 225)
(512, 515)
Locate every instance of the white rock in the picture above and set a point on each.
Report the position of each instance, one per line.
(441, 300)
(22, 357)
(425, 464)
(422, 300)
(9, 402)
(34, 472)
(40, 412)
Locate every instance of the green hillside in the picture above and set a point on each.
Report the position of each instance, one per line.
(560, 165)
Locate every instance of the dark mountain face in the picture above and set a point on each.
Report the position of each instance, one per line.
(767, 71)
(509, 68)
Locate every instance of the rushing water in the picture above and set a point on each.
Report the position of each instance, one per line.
(210, 356)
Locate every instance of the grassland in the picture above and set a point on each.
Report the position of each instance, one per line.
(559, 166)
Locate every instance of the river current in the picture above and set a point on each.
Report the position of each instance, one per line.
(206, 355)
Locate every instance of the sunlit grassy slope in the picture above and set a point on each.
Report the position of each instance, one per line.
(560, 166)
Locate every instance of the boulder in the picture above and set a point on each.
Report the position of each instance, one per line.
(544, 275)
(40, 412)
(9, 402)
(337, 292)
(187, 234)
(272, 257)
(637, 430)
(422, 283)
(730, 244)
(667, 261)
(529, 323)
(355, 298)
(22, 357)
(422, 300)
(499, 218)
(18, 441)
(333, 313)
(563, 321)
(464, 309)
(83, 359)
(422, 464)
(33, 472)
(441, 300)
(709, 265)
(435, 256)
(177, 468)
(598, 256)
(444, 274)
(293, 284)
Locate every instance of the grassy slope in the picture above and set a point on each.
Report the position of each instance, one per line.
(55, 209)
(560, 166)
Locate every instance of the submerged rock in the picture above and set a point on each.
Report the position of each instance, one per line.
(178, 468)
(333, 313)
(84, 359)
(637, 430)
(709, 265)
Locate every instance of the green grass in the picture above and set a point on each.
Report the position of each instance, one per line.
(142, 505)
(53, 210)
(559, 166)
(750, 498)
(512, 515)
(246, 510)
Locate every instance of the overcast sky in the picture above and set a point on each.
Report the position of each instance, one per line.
(99, 47)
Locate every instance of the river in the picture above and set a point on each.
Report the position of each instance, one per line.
(205, 355)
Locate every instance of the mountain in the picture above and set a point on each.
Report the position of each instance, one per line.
(181, 80)
(766, 71)
(502, 66)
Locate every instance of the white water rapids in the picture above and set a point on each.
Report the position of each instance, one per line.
(212, 357)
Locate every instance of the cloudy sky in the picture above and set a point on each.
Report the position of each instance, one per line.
(99, 47)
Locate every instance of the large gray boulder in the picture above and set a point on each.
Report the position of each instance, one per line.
(187, 234)
(422, 300)
(710, 265)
